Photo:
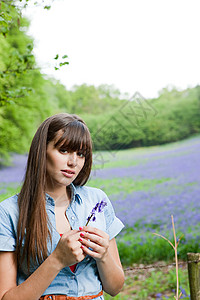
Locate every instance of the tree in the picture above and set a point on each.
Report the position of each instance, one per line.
(23, 100)
(17, 57)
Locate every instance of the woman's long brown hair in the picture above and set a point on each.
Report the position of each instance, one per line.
(34, 228)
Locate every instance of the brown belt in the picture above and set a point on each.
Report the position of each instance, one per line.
(64, 297)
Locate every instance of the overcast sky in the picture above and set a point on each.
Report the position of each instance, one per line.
(140, 45)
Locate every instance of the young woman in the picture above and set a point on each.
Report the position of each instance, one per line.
(46, 251)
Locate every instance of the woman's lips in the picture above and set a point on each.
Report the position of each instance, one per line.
(68, 173)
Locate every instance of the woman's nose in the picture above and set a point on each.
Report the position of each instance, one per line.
(72, 159)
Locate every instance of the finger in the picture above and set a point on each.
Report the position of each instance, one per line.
(102, 239)
(94, 230)
(79, 255)
(71, 241)
(70, 232)
(72, 235)
(95, 254)
(95, 247)
(92, 238)
(90, 252)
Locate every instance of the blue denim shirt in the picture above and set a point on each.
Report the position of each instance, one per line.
(85, 280)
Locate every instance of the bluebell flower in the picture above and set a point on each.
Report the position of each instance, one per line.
(183, 291)
(101, 206)
(97, 209)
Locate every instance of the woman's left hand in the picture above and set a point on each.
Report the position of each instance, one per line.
(95, 242)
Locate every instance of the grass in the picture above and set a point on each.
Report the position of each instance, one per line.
(127, 184)
(9, 191)
(132, 157)
(135, 247)
(153, 283)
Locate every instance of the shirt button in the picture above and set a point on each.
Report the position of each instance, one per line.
(72, 217)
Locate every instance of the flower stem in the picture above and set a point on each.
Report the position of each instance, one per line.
(90, 217)
(176, 258)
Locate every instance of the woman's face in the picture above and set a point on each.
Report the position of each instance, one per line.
(62, 166)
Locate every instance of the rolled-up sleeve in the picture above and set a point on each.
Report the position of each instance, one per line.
(7, 232)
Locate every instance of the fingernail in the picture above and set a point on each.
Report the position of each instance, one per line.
(82, 234)
(82, 246)
(80, 228)
(80, 239)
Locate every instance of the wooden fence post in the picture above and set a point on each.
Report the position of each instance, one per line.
(194, 275)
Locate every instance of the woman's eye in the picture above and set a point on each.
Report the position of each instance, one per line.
(80, 154)
(64, 151)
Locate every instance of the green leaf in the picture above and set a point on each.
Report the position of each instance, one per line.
(4, 30)
(64, 56)
(57, 56)
(64, 63)
(29, 47)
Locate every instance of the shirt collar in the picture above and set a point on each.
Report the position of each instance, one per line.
(75, 196)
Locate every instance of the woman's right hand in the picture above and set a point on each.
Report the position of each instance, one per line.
(68, 250)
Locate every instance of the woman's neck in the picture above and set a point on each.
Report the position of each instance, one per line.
(60, 195)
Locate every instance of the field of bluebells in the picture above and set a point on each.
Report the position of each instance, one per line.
(146, 186)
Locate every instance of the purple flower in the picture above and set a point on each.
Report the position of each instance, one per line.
(98, 208)
(101, 206)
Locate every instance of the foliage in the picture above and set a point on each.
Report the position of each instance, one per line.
(137, 248)
(60, 63)
(89, 100)
(23, 102)
(115, 186)
(59, 98)
(16, 57)
(9, 16)
(150, 122)
(152, 283)
(16, 60)
(83, 100)
(9, 191)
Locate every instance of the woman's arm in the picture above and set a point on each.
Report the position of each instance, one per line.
(67, 252)
(106, 254)
(33, 287)
(8, 272)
